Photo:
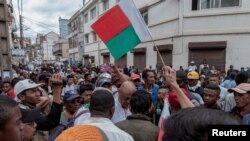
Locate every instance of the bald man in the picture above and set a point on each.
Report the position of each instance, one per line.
(122, 101)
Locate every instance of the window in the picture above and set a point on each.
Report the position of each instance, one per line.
(145, 16)
(207, 4)
(86, 18)
(105, 5)
(86, 37)
(93, 13)
(230, 3)
(94, 36)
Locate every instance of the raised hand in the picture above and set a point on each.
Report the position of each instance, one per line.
(44, 101)
(56, 79)
(57, 83)
(169, 75)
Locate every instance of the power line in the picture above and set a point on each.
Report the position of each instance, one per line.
(44, 24)
(41, 25)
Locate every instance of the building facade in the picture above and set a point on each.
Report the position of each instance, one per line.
(63, 27)
(47, 46)
(61, 50)
(215, 31)
(75, 38)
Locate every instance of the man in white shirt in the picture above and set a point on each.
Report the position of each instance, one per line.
(70, 84)
(192, 66)
(122, 101)
(102, 109)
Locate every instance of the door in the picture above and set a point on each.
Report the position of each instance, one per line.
(140, 61)
(121, 62)
(214, 57)
(167, 58)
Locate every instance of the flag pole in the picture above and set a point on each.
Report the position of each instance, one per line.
(158, 52)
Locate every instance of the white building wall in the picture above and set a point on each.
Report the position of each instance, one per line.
(174, 22)
(48, 44)
(236, 52)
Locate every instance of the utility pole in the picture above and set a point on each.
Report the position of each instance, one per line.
(21, 24)
(5, 55)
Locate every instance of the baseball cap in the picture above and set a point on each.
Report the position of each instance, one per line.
(173, 100)
(202, 76)
(30, 115)
(70, 95)
(24, 85)
(193, 75)
(242, 88)
(105, 75)
(181, 75)
(192, 62)
(101, 81)
(135, 76)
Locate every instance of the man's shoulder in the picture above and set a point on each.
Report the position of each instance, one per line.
(123, 123)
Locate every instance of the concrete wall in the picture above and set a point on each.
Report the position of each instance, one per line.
(174, 22)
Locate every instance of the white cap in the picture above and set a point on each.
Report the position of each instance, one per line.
(192, 62)
(24, 85)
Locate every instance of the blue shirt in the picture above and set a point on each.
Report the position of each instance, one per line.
(154, 94)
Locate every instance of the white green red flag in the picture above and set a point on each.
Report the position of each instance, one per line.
(121, 28)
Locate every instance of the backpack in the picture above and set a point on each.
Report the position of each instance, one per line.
(63, 126)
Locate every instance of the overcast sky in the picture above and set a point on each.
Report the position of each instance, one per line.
(41, 16)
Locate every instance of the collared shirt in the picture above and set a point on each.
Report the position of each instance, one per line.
(154, 93)
(112, 132)
(120, 113)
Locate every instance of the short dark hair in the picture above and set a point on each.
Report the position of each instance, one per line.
(185, 126)
(213, 87)
(145, 73)
(241, 77)
(163, 87)
(101, 100)
(14, 81)
(140, 102)
(214, 75)
(70, 76)
(6, 104)
(85, 87)
(86, 75)
(43, 77)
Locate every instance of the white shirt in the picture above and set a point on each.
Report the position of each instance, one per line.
(72, 87)
(111, 131)
(79, 120)
(120, 113)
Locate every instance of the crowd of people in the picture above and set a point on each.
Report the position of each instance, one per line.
(108, 103)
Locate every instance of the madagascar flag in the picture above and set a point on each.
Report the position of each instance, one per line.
(121, 28)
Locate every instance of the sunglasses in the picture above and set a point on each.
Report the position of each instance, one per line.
(75, 101)
(137, 80)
